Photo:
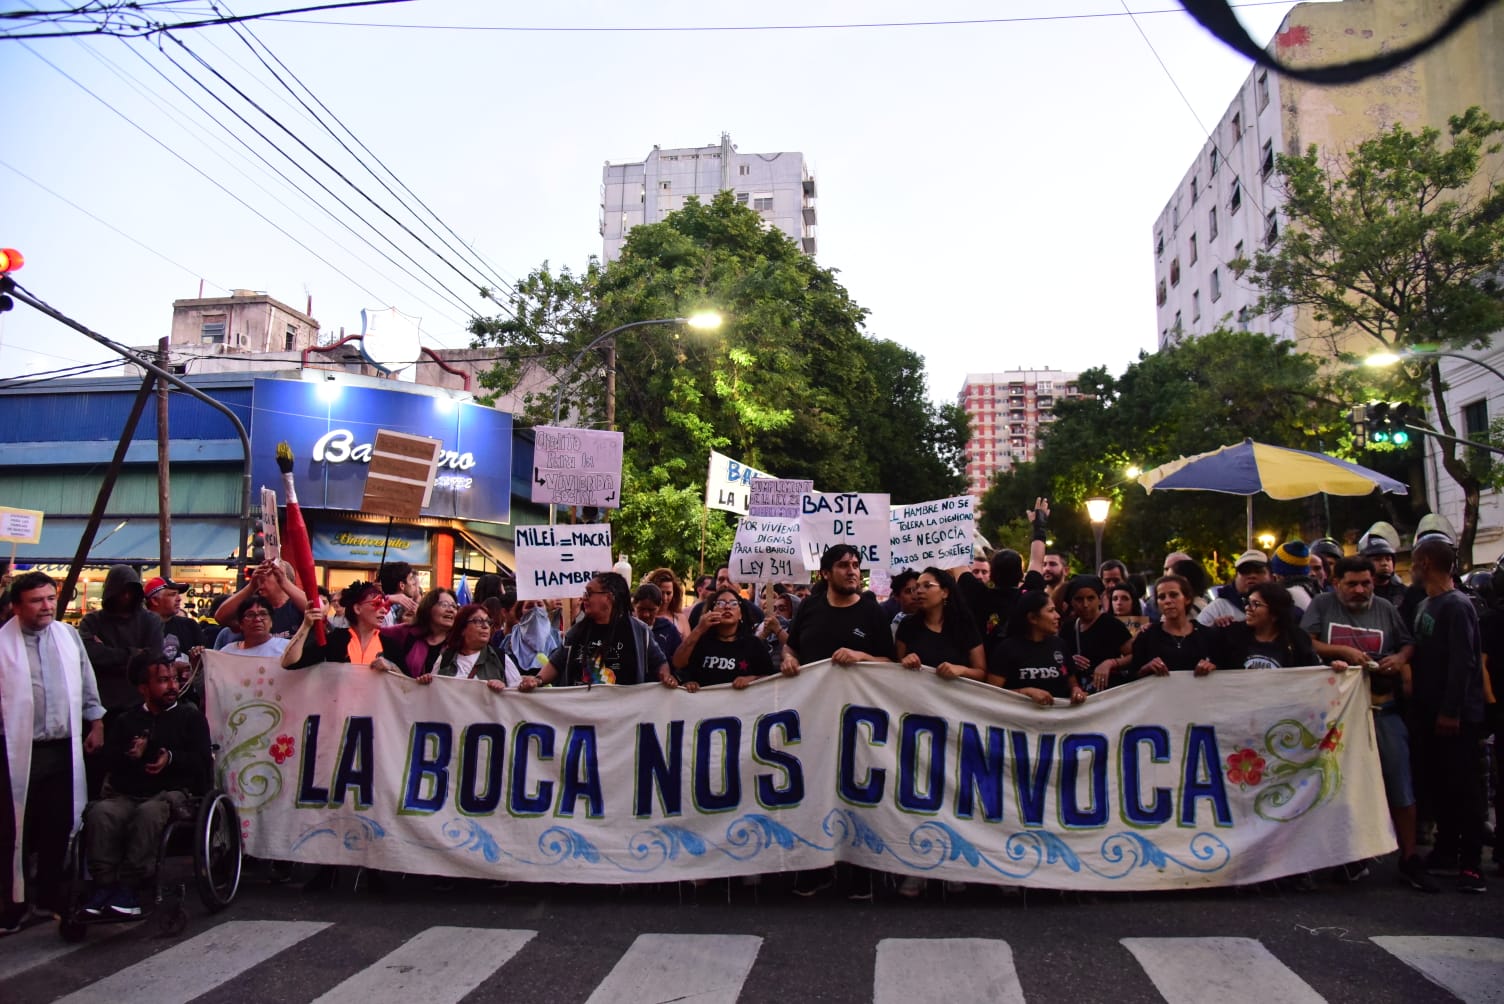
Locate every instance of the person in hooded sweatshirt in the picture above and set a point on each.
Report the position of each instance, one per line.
(121, 628)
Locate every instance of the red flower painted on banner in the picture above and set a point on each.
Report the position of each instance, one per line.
(1245, 767)
(1332, 739)
(282, 748)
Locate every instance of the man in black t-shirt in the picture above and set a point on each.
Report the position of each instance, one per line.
(845, 625)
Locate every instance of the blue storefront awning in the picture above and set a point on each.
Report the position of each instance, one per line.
(134, 542)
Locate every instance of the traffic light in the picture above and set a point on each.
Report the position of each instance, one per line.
(1378, 422)
(1384, 423)
(258, 541)
(10, 260)
(1399, 417)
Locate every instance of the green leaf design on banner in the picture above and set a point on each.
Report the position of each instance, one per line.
(1303, 770)
(259, 779)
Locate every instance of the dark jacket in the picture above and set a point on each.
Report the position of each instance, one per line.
(566, 659)
(488, 667)
(120, 628)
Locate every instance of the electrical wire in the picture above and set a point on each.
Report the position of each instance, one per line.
(63, 373)
(242, 35)
(148, 27)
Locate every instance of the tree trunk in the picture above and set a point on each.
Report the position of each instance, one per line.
(1457, 467)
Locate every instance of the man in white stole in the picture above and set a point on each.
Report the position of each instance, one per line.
(47, 692)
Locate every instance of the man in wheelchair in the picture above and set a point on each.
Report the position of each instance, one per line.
(157, 755)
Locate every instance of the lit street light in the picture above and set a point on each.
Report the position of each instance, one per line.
(1096, 511)
(1381, 360)
(705, 320)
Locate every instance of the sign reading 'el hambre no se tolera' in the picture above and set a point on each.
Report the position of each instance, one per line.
(1165, 783)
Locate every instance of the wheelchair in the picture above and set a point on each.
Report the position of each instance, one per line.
(207, 829)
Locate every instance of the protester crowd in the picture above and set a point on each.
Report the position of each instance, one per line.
(110, 712)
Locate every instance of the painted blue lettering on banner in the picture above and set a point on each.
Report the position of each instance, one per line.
(357, 763)
(582, 774)
(723, 736)
(1031, 775)
(921, 737)
(876, 720)
(488, 740)
(1203, 777)
(979, 775)
(1072, 816)
(428, 753)
(659, 772)
(771, 794)
(310, 796)
(530, 740)
(1135, 812)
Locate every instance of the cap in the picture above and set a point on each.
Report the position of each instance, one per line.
(1251, 558)
(1291, 558)
(1375, 544)
(154, 586)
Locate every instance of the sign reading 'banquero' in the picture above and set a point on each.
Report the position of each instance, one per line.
(332, 430)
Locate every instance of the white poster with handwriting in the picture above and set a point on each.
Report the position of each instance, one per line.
(577, 467)
(728, 483)
(830, 518)
(555, 562)
(933, 533)
(777, 496)
(766, 550)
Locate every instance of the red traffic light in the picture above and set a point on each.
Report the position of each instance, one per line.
(10, 260)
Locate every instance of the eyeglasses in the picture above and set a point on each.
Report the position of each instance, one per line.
(728, 603)
(596, 592)
(1256, 605)
(446, 605)
(255, 615)
(484, 622)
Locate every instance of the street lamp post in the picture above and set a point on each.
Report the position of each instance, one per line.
(705, 321)
(1096, 511)
(1379, 360)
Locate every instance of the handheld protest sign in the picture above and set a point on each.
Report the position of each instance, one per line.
(830, 518)
(399, 482)
(555, 562)
(577, 467)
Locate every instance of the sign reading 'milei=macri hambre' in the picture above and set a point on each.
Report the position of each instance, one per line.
(555, 562)
(580, 467)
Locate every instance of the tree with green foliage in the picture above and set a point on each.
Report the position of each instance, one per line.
(790, 384)
(1396, 247)
(1189, 398)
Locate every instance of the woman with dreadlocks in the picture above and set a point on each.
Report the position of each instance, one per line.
(607, 645)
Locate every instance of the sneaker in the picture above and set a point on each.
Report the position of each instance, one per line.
(1353, 871)
(1413, 870)
(912, 887)
(861, 886)
(100, 901)
(1471, 880)
(1438, 863)
(813, 881)
(125, 904)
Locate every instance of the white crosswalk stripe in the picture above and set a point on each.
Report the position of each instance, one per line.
(704, 968)
(442, 965)
(944, 970)
(199, 964)
(1226, 970)
(1471, 968)
(439, 966)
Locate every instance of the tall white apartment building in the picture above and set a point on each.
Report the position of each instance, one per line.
(778, 186)
(1008, 412)
(1227, 205)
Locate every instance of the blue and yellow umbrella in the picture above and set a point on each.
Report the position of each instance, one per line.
(1248, 468)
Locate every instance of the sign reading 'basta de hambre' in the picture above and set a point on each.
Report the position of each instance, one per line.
(1174, 782)
(332, 430)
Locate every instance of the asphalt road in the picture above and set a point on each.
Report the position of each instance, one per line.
(476, 941)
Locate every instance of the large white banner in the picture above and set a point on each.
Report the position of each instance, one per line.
(728, 483)
(1171, 782)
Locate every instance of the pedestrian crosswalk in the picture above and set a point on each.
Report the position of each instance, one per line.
(442, 965)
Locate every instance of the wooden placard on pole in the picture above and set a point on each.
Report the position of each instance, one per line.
(399, 481)
(20, 526)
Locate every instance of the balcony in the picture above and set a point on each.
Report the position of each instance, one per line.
(809, 214)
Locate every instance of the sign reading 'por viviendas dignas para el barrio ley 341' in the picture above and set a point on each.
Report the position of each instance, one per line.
(1170, 782)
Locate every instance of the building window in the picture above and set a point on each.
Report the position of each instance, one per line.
(1212, 159)
(665, 185)
(1177, 326)
(1211, 222)
(1475, 420)
(1159, 243)
(1262, 90)
(1271, 228)
(1237, 126)
(212, 329)
(1266, 165)
(1161, 294)
(763, 201)
(1236, 201)
(1193, 249)
(1195, 306)
(1237, 255)
(1175, 272)
(742, 198)
(1195, 189)
(290, 339)
(744, 169)
(1216, 285)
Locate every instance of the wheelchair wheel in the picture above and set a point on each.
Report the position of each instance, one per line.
(74, 883)
(217, 851)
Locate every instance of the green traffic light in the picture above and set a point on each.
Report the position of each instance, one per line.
(1400, 438)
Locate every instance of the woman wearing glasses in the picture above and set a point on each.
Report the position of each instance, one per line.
(420, 643)
(468, 653)
(722, 648)
(1268, 637)
(607, 645)
(359, 644)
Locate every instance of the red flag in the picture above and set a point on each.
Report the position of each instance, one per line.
(297, 548)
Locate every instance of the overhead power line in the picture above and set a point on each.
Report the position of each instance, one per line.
(144, 26)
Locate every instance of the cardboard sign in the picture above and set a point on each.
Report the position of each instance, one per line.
(577, 467)
(766, 550)
(399, 481)
(20, 526)
(776, 496)
(830, 518)
(933, 533)
(728, 483)
(555, 562)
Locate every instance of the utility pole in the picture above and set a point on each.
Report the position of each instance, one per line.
(164, 492)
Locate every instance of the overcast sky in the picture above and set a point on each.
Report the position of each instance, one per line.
(986, 190)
